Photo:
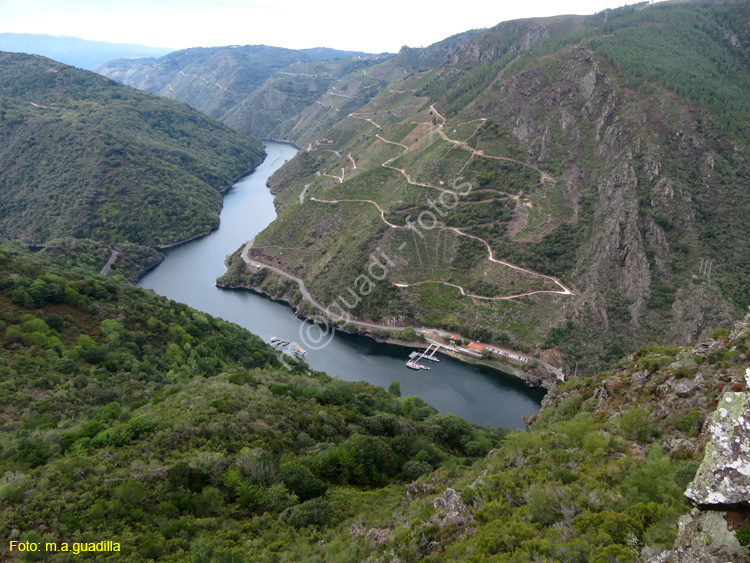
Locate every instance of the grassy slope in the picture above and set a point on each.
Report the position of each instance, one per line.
(83, 156)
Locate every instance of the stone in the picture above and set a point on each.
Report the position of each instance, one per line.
(704, 538)
(724, 475)
(452, 510)
(638, 379)
(686, 388)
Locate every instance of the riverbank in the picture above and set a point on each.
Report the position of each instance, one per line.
(360, 328)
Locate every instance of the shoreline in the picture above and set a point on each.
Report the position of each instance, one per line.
(530, 380)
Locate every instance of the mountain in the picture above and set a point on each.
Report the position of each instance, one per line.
(74, 51)
(180, 437)
(82, 156)
(570, 185)
(216, 80)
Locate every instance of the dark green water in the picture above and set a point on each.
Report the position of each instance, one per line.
(189, 274)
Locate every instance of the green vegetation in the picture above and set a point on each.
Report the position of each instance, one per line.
(88, 257)
(182, 437)
(690, 48)
(622, 178)
(97, 373)
(85, 157)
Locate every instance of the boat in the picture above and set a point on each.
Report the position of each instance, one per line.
(299, 351)
(415, 365)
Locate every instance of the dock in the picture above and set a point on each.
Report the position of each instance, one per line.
(428, 354)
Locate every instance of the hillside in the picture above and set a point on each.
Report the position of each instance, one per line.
(570, 183)
(219, 80)
(82, 156)
(133, 419)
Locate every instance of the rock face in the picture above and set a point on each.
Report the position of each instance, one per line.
(720, 489)
(704, 538)
(724, 476)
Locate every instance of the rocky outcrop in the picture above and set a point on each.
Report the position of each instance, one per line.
(378, 536)
(724, 476)
(704, 537)
(720, 490)
(452, 510)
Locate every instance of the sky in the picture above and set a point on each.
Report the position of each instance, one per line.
(377, 26)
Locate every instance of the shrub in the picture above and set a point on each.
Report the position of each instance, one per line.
(636, 425)
(314, 512)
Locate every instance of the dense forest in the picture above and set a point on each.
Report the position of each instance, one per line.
(133, 417)
(85, 157)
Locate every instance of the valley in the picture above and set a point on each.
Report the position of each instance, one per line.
(563, 198)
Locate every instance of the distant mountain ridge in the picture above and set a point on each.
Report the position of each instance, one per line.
(73, 51)
(216, 80)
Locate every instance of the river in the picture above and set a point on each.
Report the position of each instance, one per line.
(189, 273)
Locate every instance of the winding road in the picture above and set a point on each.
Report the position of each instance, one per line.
(323, 309)
(109, 263)
(545, 177)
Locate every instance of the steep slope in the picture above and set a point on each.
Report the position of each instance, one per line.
(277, 93)
(85, 157)
(216, 80)
(557, 181)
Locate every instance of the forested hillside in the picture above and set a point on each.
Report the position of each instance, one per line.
(134, 419)
(138, 419)
(85, 157)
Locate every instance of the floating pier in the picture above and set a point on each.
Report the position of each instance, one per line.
(416, 357)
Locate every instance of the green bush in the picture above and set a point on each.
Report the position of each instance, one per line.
(314, 512)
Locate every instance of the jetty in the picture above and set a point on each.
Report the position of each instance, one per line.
(428, 354)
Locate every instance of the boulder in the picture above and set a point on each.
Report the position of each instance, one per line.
(703, 537)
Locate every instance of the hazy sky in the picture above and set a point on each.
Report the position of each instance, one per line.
(380, 25)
